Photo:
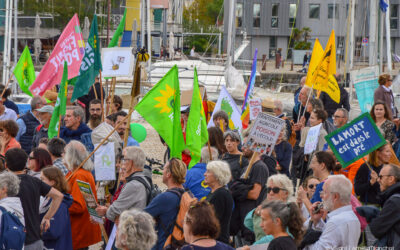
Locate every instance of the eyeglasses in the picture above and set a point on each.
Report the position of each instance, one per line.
(123, 160)
(381, 176)
(336, 117)
(312, 185)
(275, 190)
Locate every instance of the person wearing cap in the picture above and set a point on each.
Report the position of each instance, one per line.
(6, 113)
(44, 115)
(28, 122)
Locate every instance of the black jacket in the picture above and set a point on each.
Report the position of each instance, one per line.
(362, 185)
(236, 164)
(387, 224)
(331, 106)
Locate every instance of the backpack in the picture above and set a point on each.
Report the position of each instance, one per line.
(12, 234)
(176, 239)
(152, 190)
(291, 138)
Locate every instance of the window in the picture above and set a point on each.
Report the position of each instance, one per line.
(256, 15)
(333, 8)
(272, 46)
(292, 15)
(314, 11)
(274, 19)
(239, 15)
(394, 16)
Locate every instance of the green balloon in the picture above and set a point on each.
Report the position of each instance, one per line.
(138, 132)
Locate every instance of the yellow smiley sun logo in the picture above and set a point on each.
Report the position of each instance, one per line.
(165, 101)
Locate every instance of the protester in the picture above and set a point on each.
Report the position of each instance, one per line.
(283, 151)
(381, 116)
(219, 117)
(120, 116)
(195, 176)
(135, 231)
(59, 236)
(94, 93)
(165, 206)
(116, 104)
(9, 188)
(297, 92)
(84, 233)
(134, 194)
(41, 131)
(317, 117)
(192, 52)
(95, 113)
(217, 176)
(38, 159)
(386, 224)
(6, 102)
(340, 117)
(8, 131)
(233, 156)
(30, 190)
(384, 94)
(201, 227)
(28, 122)
(299, 111)
(278, 111)
(342, 227)
(306, 191)
(43, 143)
(331, 106)
(279, 219)
(216, 139)
(56, 148)
(75, 127)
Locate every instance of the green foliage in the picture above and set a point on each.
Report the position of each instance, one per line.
(302, 45)
(226, 106)
(304, 34)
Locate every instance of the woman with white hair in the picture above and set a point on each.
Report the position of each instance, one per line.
(135, 231)
(279, 187)
(84, 233)
(217, 176)
(9, 188)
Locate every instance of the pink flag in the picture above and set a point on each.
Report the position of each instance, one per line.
(70, 47)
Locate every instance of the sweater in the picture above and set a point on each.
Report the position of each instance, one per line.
(67, 134)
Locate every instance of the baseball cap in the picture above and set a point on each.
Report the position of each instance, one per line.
(46, 109)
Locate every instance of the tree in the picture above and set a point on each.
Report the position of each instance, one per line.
(298, 35)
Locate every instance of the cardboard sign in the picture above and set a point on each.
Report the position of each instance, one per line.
(365, 82)
(264, 133)
(104, 162)
(355, 140)
(90, 200)
(255, 108)
(312, 139)
(117, 61)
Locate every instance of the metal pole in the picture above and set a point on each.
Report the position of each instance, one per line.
(373, 25)
(5, 48)
(219, 44)
(230, 29)
(14, 86)
(351, 59)
(142, 21)
(149, 37)
(164, 41)
(108, 21)
(388, 45)
(380, 42)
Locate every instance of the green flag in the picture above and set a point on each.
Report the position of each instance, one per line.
(196, 128)
(91, 64)
(25, 72)
(118, 32)
(161, 108)
(60, 107)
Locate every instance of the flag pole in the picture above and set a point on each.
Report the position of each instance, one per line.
(59, 127)
(102, 97)
(95, 91)
(209, 150)
(5, 87)
(251, 163)
(113, 81)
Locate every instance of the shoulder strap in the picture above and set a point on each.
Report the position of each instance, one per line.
(145, 184)
(241, 160)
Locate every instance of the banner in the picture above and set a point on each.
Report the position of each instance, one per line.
(249, 93)
(355, 140)
(312, 139)
(25, 72)
(90, 200)
(255, 108)
(70, 48)
(104, 162)
(226, 103)
(365, 81)
(264, 133)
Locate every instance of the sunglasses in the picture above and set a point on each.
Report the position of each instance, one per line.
(31, 158)
(312, 185)
(275, 190)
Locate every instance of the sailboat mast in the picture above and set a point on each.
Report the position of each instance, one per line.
(373, 26)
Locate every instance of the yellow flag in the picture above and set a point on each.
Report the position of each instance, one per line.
(316, 57)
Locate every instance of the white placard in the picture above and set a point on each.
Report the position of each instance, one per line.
(117, 61)
(312, 139)
(264, 133)
(111, 239)
(104, 162)
(255, 108)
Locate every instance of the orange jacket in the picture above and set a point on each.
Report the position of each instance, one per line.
(13, 143)
(84, 233)
(351, 170)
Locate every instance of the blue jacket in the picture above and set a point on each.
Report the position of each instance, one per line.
(67, 134)
(59, 235)
(195, 181)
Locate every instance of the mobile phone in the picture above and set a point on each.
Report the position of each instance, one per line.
(318, 208)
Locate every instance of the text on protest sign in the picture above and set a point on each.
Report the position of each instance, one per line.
(312, 139)
(264, 133)
(255, 108)
(90, 200)
(104, 162)
(355, 140)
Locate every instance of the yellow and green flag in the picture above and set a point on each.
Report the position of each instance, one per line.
(118, 32)
(196, 129)
(161, 108)
(25, 72)
(61, 104)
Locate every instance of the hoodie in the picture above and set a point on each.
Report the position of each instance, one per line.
(59, 235)
(13, 205)
(67, 134)
(237, 164)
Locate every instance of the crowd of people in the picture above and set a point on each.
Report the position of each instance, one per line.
(232, 198)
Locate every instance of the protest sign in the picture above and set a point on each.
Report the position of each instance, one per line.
(365, 81)
(312, 139)
(117, 62)
(255, 108)
(91, 203)
(264, 133)
(355, 140)
(104, 162)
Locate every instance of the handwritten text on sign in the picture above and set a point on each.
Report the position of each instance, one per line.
(355, 140)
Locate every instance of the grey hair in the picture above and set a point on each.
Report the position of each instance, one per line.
(221, 171)
(77, 112)
(75, 154)
(136, 155)
(136, 230)
(394, 171)
(308, 89)
(341, 185)
(205, 154)
(11, 182)
(344, 111)
(303, 80)
(278, 105)
(233, 134)
(35, 101)
(316, 103)
(284, 182)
